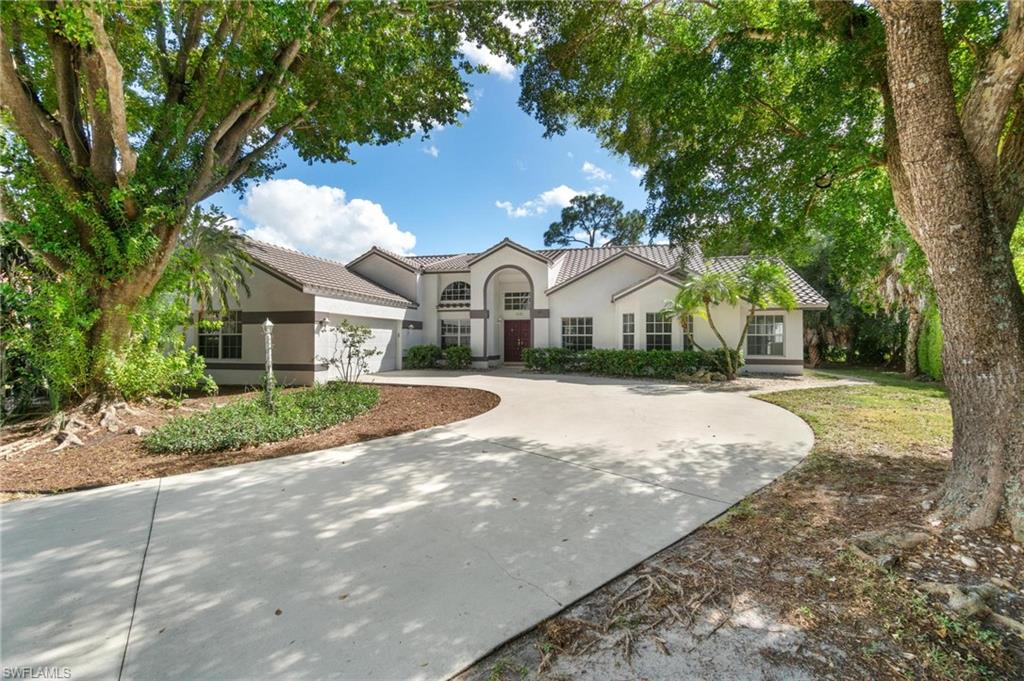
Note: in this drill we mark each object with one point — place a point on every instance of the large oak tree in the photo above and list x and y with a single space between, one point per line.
753 116
129 114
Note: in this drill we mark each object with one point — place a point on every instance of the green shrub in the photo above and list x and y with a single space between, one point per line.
665 364
422 357
457 357
249 421
929 345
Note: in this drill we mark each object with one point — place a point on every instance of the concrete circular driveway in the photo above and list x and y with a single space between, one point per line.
402 558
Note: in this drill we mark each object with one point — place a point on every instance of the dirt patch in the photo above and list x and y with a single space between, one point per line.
113 458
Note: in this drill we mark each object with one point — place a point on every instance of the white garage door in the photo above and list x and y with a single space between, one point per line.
383 338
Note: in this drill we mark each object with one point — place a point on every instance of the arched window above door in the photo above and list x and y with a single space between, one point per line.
456 292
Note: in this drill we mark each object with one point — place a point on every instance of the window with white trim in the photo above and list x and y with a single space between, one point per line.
628 331
578 333
687 324
220 335
659 331
766 335
517 300
454 332
456 292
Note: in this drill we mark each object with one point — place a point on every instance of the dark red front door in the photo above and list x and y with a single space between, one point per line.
517 337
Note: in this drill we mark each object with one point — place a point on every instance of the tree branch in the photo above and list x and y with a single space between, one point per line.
67 86
1010 180
113 78
987 106
244 163
226 139
32 122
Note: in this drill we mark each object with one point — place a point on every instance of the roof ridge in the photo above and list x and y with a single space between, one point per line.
297 252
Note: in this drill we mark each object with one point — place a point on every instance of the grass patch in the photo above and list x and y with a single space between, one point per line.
892 379
248 421
873 417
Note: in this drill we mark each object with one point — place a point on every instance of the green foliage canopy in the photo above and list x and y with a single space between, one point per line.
596 219
123 116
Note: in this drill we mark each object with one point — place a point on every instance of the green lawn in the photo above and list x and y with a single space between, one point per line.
900 415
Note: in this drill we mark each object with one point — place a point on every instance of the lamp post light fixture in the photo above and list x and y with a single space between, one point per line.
268 331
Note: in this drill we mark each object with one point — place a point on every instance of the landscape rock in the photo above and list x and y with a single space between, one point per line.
927 504
137 430
886 561
886 541
967 561
66 440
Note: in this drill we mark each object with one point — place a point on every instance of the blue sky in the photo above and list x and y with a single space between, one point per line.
443 191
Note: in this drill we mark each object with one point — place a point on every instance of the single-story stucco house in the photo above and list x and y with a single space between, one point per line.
497 302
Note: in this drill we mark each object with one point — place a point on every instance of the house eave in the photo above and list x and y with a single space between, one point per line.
387 256
506 242
633 288
358 297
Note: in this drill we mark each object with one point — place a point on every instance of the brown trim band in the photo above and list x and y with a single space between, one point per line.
280 317
756 361
257 366
540 314
478 314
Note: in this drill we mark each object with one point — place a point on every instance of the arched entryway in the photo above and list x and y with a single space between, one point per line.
509 300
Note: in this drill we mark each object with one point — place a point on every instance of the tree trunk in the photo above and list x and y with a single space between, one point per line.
914 321
981 303
812 343
730 370
116 302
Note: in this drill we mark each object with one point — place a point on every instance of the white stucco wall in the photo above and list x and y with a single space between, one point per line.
293 341
591 296
486 329
388 274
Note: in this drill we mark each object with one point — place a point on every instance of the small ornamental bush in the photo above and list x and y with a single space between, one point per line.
457 357
249 421
665 364
422 357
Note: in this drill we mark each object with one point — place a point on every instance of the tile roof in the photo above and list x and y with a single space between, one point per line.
806 296
321 275
458 262
576 261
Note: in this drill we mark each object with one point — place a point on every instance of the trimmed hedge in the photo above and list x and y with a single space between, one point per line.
929 345
665 364
422 357
457 357
248 421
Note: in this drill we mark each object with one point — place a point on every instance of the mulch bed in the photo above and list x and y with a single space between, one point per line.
113 458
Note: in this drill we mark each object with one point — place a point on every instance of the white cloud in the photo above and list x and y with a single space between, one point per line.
638 173
594 172
320 220
516 26
569 154
432 150
559 197
495 63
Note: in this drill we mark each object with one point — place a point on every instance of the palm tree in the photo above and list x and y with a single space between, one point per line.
210 263
761 283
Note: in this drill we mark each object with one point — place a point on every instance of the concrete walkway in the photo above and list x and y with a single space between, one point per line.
403 558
